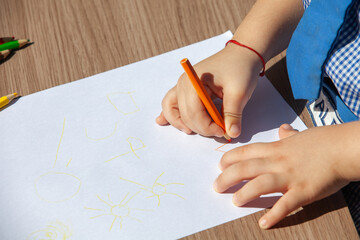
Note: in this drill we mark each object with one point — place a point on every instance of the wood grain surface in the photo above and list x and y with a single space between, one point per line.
73 39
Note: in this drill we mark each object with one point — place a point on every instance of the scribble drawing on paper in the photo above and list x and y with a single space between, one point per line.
219 148
117 211
102 138
123 102
157 189
58 148
56 187
135 145
53 231
68 162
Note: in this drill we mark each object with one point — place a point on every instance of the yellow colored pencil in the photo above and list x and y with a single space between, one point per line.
5 100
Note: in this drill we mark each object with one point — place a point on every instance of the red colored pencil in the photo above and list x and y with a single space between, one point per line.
6 39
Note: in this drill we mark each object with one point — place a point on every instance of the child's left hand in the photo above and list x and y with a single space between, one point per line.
305 166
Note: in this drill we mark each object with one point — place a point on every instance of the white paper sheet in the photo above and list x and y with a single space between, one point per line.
85 160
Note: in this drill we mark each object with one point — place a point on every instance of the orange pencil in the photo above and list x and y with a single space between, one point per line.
204 96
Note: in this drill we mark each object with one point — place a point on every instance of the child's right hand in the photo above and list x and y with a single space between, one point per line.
231 75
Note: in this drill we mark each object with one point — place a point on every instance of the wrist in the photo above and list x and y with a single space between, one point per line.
253 58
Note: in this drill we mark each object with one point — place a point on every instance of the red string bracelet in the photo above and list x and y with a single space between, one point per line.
262 73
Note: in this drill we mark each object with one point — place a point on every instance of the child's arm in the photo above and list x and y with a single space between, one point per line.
305 167
232 73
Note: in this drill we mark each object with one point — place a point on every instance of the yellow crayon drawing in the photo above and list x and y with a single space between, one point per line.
58 148
117 210
157 189
135 145
53 231
123 102
56 187
102 138
68 162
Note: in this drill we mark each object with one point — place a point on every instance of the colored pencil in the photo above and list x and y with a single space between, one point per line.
204 96
6 39
5 100
4 54
13 44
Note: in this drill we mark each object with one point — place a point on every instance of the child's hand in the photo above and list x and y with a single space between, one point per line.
231 74
305 167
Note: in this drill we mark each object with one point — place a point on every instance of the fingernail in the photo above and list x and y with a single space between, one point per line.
262 223
219 135
219 166
215 186
234 130
236 201
287 127
185 130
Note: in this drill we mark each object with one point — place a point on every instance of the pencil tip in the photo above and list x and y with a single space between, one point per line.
184 60
227 137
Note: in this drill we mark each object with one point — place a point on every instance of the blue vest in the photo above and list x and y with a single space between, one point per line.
309 48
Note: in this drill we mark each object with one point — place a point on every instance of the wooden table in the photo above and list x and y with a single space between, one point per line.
76 39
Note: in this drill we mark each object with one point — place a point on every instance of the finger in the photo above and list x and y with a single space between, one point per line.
239 172
171 112
161 120
196 117
288 203
233 107
206 126
263 184
286 130
174 118
187 110
250 151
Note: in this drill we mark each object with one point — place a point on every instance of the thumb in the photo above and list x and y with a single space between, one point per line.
286 130
233 108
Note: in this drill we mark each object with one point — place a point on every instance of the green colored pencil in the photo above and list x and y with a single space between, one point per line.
13 44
